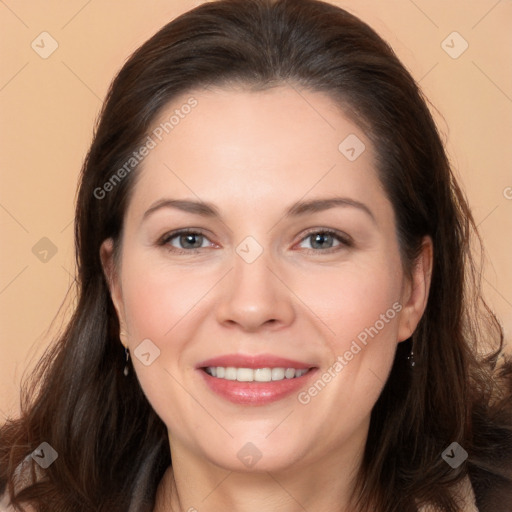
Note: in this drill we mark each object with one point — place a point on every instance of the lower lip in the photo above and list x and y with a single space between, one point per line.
255 393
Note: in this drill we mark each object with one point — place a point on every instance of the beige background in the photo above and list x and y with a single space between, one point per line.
49 106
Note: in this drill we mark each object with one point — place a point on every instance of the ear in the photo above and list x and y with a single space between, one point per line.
114 284
416 290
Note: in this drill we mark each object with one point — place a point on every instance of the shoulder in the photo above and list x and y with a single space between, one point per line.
21 479
25 474
464 495
5 507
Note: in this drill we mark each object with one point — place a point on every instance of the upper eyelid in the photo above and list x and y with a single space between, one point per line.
164 239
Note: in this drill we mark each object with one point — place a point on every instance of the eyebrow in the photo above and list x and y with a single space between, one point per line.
299 208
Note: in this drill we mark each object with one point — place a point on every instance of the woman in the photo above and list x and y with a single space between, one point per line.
318 345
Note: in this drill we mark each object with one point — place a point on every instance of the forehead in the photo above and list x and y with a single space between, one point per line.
275 146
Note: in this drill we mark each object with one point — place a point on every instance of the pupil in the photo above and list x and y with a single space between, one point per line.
185 239
320 238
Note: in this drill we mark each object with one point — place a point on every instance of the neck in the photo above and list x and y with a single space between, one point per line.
324 485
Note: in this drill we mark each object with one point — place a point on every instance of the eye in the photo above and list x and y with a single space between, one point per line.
185 241
326 240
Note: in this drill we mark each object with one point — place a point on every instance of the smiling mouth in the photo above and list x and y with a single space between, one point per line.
255 374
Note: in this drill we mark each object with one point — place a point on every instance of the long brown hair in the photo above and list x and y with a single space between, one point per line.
113 448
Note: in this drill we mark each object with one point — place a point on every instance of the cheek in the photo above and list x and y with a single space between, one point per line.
159 297
352 301
360 309
363 310
160 305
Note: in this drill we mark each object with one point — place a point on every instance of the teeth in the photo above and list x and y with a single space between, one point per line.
289 373
244 375
262 374
231 373
278 373
254 375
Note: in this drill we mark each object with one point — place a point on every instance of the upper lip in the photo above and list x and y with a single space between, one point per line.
254 361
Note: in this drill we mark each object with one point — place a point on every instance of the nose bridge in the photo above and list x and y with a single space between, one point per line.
252 276
254 296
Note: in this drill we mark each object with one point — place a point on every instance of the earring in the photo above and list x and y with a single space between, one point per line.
410 358
126 368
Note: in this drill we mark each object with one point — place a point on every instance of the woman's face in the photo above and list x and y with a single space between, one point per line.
292 256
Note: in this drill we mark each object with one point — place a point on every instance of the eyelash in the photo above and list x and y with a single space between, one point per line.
345 240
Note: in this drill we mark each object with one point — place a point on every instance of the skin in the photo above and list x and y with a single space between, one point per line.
253 155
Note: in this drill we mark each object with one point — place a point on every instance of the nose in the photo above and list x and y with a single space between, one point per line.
254 297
